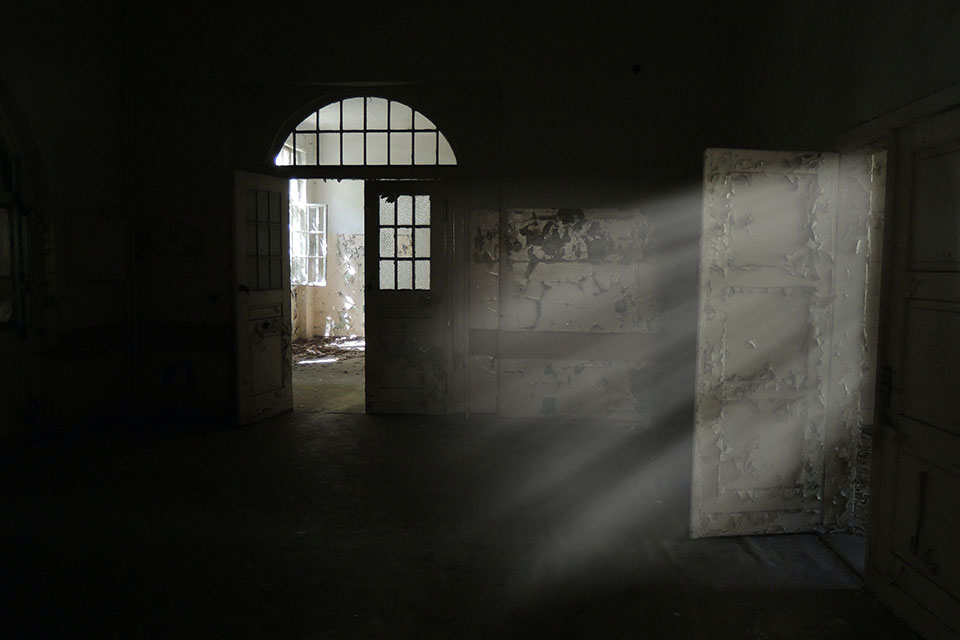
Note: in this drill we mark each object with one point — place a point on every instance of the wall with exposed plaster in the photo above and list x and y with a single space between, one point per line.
336 308
552 121
564 303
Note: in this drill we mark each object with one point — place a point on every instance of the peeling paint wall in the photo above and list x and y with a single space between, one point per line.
484 273
337 308
568 330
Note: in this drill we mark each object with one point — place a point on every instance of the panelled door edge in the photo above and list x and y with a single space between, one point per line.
407 265
264 385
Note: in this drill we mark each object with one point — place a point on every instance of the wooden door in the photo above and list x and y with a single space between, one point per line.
262 274
771 416
407 327
914 560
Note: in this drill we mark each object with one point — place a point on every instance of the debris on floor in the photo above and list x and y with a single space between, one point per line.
328 375
320 349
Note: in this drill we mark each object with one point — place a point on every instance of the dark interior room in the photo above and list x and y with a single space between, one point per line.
657 334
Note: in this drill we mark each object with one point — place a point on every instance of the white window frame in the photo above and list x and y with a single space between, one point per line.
308 246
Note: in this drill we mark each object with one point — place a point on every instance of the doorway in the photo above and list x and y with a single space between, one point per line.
348 162
327 295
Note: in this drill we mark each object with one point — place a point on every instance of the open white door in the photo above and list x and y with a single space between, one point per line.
406 306
914 559
262 275
775 426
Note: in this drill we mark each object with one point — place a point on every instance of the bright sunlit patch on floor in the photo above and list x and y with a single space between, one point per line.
319 361
353 343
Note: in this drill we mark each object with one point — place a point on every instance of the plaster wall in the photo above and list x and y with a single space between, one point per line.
570 314
335 309
61 112
606 108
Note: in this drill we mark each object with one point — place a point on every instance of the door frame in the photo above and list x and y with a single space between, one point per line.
455 338
885 132
894 433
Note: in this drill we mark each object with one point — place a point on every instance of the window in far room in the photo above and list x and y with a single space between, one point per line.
308 238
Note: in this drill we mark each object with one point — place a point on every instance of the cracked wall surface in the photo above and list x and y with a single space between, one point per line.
563 305
337 308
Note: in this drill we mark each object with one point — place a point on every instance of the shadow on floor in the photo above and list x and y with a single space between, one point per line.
353 526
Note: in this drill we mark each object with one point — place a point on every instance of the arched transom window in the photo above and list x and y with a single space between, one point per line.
366 131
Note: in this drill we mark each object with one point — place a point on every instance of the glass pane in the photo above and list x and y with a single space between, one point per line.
330 117
404 274
296 218
323 244
386 211
285 157
422 242
312 266
321 214
294 235
376 113
329 148
401 148
421 122
313 246
425 148
446 153
401 116
302 270
353 148
309 123
386 243
305 147
314 219
274 206
376 148
263 239
405 210
263 273
262 206
353 113
422 209
276 273
251 272
422 274
276 240
294 270
250 202
386 274
404 242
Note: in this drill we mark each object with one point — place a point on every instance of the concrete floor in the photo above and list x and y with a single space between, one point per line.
328 375
314 525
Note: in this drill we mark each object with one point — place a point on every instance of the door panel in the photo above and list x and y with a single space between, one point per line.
768 405
931 366
914 561
262 278
406 306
